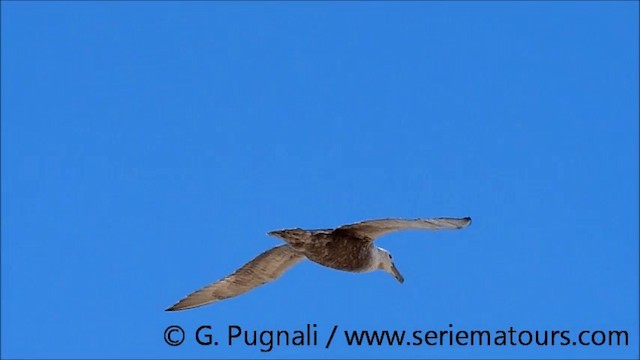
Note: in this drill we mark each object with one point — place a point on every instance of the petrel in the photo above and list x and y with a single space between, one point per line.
348 248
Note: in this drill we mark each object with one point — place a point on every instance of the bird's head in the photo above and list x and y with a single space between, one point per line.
385 262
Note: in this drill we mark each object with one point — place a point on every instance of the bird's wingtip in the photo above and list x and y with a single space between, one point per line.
172 308
467 221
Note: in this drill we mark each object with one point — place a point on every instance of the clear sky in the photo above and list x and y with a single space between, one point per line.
147 149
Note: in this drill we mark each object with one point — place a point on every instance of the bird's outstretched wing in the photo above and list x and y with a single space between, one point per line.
264 268
371 229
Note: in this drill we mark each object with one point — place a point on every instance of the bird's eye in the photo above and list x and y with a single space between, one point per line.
390 257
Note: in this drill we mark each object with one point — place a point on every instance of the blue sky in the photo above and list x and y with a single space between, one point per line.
147 149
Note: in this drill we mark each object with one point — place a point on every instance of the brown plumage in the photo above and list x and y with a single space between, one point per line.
348 248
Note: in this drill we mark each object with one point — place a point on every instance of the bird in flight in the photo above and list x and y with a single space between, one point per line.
348 248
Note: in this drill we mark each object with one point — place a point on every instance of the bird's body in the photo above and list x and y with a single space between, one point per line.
348 248
337 251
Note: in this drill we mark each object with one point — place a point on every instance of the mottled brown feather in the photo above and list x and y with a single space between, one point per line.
264 268
371 229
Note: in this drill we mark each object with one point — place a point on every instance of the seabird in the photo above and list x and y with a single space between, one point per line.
348 248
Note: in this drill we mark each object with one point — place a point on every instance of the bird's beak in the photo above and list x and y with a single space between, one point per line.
396 273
